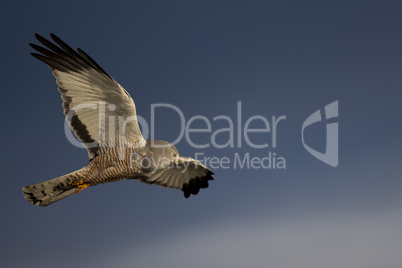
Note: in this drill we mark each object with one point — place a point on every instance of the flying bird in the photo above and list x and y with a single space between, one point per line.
103 117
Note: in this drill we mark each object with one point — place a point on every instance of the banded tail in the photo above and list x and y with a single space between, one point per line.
47 192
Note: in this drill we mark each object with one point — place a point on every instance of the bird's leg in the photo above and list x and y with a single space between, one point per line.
80 185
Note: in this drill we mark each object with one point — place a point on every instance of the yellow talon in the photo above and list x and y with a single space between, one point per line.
80 185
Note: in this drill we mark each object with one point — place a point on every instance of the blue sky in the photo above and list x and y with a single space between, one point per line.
276 58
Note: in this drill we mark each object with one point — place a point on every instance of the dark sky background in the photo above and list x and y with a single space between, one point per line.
275 57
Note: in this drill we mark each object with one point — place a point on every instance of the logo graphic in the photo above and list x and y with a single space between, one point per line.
331 148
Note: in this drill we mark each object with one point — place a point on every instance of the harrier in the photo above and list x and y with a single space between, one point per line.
103 117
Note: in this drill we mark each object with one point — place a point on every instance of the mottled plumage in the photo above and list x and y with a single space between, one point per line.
103 117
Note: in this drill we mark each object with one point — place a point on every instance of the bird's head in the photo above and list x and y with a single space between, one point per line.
158 154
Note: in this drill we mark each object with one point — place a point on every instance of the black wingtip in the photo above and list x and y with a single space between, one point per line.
63 45
60 54
38 56
195 184
40 38
55 37
92 62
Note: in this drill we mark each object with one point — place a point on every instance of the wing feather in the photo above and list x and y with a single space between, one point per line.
91 97
188 175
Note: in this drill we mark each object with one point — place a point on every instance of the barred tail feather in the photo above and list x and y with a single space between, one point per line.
47 192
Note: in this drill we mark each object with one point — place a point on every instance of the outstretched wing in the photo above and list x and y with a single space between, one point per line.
98 109
188 175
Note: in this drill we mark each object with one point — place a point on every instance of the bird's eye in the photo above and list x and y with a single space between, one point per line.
174 155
